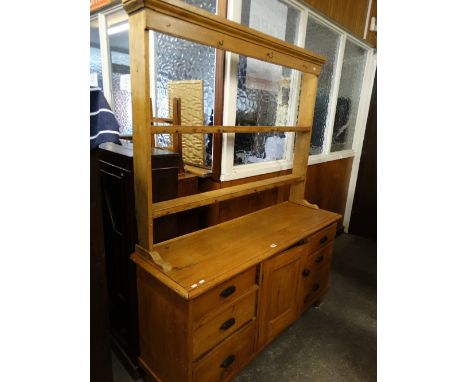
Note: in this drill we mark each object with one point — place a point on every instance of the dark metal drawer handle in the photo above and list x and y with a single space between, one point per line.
228 361
228 291
316 287
306 272
323 239
319 259
228 324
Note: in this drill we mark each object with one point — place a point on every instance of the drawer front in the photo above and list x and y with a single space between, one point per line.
224 361
321 239
317 260
209 333
316 288
223 294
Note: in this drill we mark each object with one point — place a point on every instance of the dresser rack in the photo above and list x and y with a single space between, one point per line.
178 19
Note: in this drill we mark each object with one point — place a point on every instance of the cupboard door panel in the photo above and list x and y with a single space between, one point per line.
279 293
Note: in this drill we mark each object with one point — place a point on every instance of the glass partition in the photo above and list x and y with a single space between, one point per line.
263 90
352 73
324 41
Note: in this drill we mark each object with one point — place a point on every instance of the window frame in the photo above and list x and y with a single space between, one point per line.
106 60
231 172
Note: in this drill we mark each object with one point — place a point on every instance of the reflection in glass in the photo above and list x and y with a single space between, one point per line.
176 60
95 67
263 89
347 105
207 5
322 40
121 95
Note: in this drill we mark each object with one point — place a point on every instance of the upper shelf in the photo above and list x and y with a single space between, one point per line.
179 19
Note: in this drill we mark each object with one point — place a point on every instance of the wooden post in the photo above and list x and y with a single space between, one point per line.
153 143
176 137
302 143
139 74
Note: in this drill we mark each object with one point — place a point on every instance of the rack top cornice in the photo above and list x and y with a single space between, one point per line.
182 20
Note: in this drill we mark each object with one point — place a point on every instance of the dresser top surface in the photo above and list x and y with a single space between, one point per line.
206 258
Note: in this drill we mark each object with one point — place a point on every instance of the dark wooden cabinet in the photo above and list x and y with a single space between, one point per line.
120 236
101 360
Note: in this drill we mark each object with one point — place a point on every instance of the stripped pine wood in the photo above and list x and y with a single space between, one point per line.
139 73
179 19
189 22
176 138
302 143
209 301
150 105
226 129
162 120
173 206
218 253
190 94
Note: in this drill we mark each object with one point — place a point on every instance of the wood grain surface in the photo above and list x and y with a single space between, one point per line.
218 253
198 200
179 19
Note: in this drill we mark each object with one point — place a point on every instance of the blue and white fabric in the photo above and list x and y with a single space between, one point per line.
103 124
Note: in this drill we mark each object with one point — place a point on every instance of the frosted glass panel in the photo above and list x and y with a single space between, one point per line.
322 40
95 64
121 95
176 60
207 5
263 89
347 106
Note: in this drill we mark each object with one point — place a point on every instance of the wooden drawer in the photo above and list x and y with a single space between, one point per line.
315 288
224 361
223 294
317 260
321 239
212 330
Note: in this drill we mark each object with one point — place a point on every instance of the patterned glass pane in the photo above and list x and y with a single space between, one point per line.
178 60
121 95
323 40
347 105
263 89
95 64
207 5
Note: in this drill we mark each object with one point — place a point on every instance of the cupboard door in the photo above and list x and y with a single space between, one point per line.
279 293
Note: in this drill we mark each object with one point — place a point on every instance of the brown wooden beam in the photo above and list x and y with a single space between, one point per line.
226 129
179 19
205 198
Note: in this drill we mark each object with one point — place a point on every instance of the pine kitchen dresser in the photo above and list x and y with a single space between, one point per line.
211 300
